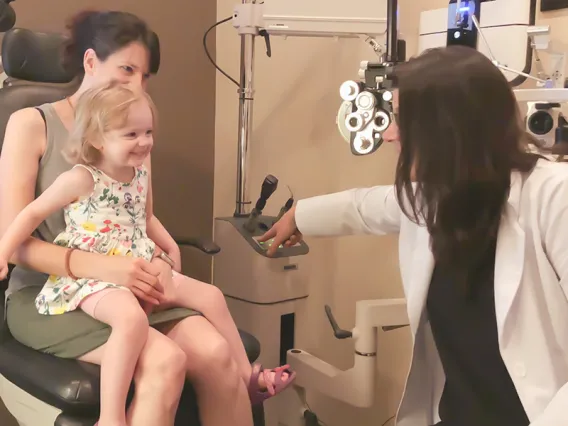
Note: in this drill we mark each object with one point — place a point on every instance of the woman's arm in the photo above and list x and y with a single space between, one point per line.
22 149
358 211
67 188
154 228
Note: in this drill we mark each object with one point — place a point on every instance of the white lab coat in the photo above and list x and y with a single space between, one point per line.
531 287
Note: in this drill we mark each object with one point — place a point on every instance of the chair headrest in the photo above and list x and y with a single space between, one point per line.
36 56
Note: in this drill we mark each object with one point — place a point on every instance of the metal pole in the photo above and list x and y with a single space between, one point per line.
392 31
246 97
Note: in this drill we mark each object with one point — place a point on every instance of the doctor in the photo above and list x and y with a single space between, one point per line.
483 247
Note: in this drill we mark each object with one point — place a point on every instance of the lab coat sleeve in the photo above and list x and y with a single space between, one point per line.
357 211
555 221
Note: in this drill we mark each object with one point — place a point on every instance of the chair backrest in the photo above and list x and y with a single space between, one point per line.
32 62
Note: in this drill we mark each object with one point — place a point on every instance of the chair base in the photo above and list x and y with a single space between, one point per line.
27 410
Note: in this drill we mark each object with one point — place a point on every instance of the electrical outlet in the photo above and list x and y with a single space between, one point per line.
548 5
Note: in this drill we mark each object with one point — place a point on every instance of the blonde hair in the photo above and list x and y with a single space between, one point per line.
99 111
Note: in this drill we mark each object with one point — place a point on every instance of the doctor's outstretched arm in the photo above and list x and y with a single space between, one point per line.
357 211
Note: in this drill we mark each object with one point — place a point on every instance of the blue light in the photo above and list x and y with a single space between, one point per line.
464 9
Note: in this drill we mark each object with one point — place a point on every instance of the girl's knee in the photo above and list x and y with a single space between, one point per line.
118 308
130 317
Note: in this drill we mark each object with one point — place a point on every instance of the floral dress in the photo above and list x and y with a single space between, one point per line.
111 221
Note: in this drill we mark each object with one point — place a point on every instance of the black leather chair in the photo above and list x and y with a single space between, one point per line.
39 389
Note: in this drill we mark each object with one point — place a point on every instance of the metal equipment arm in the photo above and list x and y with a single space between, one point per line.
355 386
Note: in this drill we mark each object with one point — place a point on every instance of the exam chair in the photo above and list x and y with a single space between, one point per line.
40 389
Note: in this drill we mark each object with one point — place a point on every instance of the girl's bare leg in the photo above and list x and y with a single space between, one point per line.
121 311
159 377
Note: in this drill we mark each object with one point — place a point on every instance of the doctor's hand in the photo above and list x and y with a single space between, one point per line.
283 232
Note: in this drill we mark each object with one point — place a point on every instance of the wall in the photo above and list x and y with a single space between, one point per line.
184 92
295 138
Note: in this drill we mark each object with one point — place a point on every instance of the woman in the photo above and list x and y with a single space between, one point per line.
483 256
107 46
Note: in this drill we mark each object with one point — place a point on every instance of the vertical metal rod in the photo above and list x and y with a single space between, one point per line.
246 97
392 31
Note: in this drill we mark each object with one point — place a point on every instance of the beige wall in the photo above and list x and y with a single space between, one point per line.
295 139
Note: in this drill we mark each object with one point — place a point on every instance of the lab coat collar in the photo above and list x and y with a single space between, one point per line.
508 263
510 254
514 199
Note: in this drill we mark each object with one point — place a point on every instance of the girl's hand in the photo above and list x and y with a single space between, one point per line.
284 232
137 274
3 269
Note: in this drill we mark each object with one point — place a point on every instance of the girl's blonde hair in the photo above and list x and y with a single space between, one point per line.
99 111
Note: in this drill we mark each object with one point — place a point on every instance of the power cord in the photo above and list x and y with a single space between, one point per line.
209 55
320 422
391 418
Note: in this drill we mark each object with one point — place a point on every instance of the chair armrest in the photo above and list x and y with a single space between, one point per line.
203 244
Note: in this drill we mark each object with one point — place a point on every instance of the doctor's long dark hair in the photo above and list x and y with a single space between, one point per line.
461 136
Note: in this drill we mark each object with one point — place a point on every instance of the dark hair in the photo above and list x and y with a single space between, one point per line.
461 136
105 32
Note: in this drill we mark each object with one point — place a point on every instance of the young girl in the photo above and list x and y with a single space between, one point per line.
107 202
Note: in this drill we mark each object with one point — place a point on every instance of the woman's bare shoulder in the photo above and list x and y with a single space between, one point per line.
25 130
27 117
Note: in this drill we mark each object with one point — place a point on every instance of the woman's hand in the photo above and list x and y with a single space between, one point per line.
284 232
137 274
165 278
